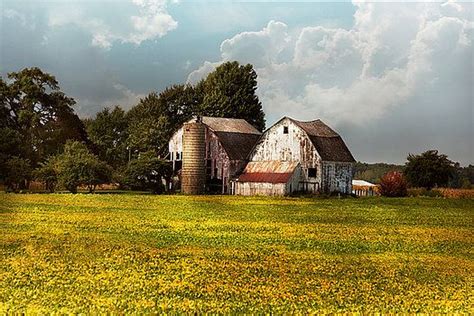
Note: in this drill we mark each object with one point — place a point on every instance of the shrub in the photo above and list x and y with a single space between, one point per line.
148 172
393 184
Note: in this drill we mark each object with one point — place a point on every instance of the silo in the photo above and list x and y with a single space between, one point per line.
193 176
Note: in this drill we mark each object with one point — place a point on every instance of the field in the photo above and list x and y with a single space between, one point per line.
131 253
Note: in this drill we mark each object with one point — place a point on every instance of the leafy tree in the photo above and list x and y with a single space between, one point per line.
10 146
157 116
46 173
108 131
78 166
148 172
32 104
393 184
229 91
18 173
429 169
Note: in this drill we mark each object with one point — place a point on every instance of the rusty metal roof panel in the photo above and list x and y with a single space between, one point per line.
268 171
265 177
229 125
274 166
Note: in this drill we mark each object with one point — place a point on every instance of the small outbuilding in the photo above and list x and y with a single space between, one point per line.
364 188
268 178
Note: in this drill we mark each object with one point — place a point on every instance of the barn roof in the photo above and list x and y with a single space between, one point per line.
268 171
237 145
229 125
327 142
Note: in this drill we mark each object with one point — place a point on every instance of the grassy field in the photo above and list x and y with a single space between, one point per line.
126 253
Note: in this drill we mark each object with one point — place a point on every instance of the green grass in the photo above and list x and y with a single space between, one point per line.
144 253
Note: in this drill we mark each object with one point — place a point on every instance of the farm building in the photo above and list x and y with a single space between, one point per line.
325 161
268 178
364 188
231 156
222 151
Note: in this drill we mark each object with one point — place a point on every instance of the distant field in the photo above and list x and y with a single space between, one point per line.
144 253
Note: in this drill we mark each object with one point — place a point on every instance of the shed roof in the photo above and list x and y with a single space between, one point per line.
362 183
327 142
268 171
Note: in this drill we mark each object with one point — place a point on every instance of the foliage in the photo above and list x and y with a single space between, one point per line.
429 169
46 173
373 172
393 184
10 146
148 172
153 121
78 166
108 131
39 112
229 91
116 254
18 173
449 193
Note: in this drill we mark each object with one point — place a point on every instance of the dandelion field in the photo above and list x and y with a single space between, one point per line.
144 253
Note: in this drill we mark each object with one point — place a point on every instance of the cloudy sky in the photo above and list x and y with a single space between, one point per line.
392 78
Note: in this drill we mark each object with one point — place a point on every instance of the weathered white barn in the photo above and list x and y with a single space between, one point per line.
291 156
325 161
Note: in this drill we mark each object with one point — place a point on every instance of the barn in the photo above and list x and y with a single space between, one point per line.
325 161
232 157
226 145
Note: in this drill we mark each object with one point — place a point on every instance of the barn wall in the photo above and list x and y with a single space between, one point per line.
337 177
260 188
294 146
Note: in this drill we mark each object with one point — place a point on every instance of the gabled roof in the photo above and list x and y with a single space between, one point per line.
268 171
229 125
236 136
237 145
327 142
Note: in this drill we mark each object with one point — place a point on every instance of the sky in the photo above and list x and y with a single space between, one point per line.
392 78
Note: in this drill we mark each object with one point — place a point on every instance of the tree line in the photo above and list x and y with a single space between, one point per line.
42 138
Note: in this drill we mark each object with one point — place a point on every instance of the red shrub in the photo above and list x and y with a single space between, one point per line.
393 184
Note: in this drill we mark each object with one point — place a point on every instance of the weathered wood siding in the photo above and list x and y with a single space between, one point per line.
294 146
337 177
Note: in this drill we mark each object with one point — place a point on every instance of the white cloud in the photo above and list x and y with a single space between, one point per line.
149 20
355 75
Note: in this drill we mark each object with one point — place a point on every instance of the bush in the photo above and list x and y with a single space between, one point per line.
148 172
393 184
78 166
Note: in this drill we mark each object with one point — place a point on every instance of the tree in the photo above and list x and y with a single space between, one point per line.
46 173
148 172
78 166
108 131
18 173
32 104
428 169
153 121
393 184
229 91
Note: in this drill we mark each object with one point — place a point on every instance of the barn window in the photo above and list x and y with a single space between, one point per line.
171 156
311 172
178 156
285 129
